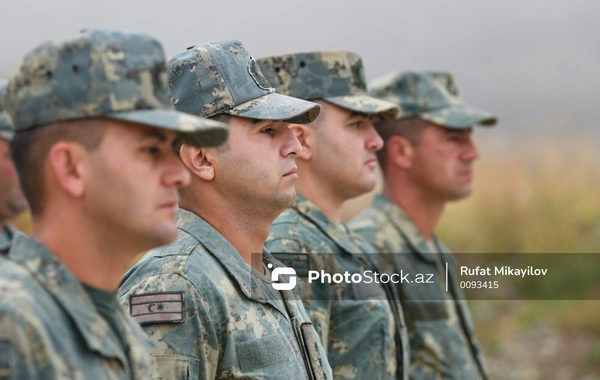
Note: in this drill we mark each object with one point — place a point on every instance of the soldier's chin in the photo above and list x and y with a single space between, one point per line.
460 193
166 235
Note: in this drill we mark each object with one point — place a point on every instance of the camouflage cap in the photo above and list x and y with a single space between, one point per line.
221 77
430 95
114 74
6 128
335 76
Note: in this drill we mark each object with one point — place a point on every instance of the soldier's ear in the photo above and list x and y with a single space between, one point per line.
198 161
306 136
70 167
400 152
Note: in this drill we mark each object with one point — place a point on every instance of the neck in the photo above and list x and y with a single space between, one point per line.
422 210
92 259
318 193
246 230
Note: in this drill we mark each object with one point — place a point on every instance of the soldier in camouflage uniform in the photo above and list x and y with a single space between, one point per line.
360 324
94 130
208 299
427 161
12 201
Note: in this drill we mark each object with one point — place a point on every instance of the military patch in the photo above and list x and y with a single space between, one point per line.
299 261
258 76
6 359
157 308
260 353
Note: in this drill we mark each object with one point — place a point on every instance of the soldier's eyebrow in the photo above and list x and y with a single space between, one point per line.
356 114
256 122
155 134
458 131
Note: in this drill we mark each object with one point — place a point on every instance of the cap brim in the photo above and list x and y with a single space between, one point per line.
459 116
193 130
378 109
275 106
6 135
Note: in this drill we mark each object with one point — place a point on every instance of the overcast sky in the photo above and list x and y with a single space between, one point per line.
535 63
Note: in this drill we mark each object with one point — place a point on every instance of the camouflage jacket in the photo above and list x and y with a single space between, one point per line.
363 331
6 235
213 317
442 337
49 327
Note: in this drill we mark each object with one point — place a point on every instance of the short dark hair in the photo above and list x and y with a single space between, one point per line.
29 150
411 128
222 117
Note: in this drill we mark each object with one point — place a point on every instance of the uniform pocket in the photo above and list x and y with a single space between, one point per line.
174 367
259 353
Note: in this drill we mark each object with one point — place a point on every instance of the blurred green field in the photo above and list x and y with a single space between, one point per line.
540 198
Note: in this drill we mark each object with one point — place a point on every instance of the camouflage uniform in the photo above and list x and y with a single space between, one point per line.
361 325
442 336
49 325
225 321
356 322
6 133
212 315
6 235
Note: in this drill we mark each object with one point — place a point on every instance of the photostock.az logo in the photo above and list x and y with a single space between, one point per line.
281 271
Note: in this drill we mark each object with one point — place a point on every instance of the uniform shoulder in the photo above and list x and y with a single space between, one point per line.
17 286
168 259
195 272
369 219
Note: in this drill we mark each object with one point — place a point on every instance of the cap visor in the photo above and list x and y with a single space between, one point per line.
275 106
6 135
378 109
193 130
459 116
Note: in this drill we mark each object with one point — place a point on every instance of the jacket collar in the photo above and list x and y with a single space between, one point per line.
62 285
6 236
339 233
230 259
398 218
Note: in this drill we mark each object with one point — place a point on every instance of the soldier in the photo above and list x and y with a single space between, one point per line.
208 299
360 324
427 161
12 201
94 130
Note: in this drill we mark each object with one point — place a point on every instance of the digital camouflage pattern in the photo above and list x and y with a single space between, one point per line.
6 128
431 96
335 76
6 235
229 323
442 336
49 327
221 77
114 74
363 332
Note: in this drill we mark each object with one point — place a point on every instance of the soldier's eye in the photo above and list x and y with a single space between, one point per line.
268 131
154 151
